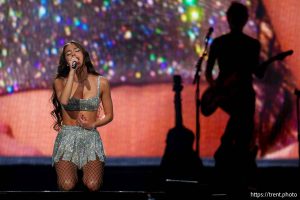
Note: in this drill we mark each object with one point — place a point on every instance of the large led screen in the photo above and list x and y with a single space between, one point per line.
139 46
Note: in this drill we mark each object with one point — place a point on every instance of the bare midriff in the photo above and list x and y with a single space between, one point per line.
70 117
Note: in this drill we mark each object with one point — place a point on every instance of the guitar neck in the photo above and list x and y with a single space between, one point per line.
178 110
262 67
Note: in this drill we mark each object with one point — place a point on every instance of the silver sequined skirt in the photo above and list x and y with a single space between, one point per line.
78 145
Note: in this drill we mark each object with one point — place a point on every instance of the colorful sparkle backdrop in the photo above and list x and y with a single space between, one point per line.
138 45
129 41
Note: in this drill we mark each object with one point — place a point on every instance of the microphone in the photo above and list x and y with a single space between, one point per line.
74 64
210 30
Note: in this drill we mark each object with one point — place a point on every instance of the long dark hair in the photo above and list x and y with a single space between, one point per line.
62 72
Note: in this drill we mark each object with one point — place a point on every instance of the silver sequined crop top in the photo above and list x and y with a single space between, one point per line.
90 104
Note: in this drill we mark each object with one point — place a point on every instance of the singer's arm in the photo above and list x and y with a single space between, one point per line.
63 92
107 105
210 64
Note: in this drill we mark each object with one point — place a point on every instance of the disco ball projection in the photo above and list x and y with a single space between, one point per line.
139 46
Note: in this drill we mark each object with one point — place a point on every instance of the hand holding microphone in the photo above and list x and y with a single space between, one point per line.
73 62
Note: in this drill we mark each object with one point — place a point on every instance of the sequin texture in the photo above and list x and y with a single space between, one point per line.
78 145
90 104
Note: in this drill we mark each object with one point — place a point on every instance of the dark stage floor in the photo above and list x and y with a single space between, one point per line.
142 182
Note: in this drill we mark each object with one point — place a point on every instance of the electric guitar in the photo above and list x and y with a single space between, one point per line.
214 95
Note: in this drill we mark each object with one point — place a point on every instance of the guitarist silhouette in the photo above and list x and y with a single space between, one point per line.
237 55
180 161
219 92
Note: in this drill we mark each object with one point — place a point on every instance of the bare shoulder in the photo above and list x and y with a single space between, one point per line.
59 84
93 77
58 81
104 82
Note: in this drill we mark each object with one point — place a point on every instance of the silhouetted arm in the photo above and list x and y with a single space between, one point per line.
212 56
260 69
260 72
